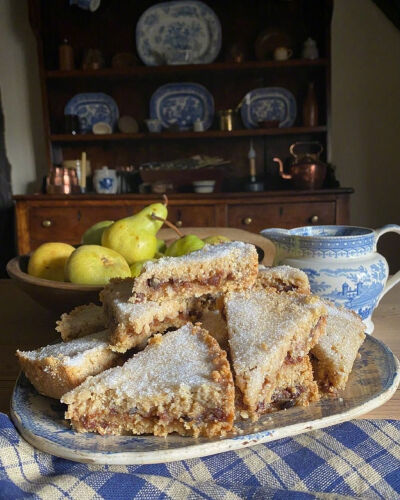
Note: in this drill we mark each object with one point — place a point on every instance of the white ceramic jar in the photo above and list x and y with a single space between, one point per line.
105 181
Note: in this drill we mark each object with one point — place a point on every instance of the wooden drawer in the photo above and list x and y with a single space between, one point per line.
287 215
67 224
192 215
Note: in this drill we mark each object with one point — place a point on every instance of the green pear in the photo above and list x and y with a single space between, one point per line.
184 245
161 246
92 236
127 237
95 265
215 240
148 224
136 267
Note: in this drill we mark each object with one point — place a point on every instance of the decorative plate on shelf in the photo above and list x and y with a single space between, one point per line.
181 104
91 108
187 31
268 104
41 422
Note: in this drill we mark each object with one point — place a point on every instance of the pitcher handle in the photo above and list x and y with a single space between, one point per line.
393 280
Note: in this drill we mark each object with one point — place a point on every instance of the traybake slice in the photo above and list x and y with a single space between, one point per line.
56 369
130 324
334 355
283 279
267 332
295 386
215 268
181 382
81 321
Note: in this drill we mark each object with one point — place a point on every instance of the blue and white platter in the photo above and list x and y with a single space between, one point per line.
40 420
182 104
91 108
267 104
186 31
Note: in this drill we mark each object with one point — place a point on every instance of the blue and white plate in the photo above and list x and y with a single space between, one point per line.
182 104
91 108
178 32
267 104
40 420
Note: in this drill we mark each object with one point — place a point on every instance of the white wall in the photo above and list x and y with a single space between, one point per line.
366 114
21 98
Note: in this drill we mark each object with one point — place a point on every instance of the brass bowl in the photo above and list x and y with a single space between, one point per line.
57 296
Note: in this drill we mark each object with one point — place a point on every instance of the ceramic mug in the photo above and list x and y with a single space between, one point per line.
105 181
341 262
154 125
282 53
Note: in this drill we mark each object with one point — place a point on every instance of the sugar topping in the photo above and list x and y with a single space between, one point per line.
70 353
179 358
206 254
258 323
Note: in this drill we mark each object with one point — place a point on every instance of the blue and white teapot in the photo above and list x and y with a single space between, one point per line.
341 262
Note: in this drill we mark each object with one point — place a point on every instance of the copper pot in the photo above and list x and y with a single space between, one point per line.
63 181
307 171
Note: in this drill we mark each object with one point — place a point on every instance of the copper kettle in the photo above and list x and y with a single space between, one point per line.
307 171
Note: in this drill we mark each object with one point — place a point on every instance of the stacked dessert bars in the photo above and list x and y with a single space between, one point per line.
193 343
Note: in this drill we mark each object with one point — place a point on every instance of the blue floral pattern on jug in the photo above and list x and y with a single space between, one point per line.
106 183
341 263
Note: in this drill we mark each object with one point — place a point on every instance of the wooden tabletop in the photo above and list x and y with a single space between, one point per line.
26 325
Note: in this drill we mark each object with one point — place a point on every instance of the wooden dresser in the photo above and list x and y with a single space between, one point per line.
42 218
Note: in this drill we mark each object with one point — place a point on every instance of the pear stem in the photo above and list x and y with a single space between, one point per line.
165 200
168 223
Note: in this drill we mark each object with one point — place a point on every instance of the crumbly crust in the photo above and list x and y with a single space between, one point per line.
295 386
181 382
266 331
81 321
214 268
333 357
130 324
283 279
58 368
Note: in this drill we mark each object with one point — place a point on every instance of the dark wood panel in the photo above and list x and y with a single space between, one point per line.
287 215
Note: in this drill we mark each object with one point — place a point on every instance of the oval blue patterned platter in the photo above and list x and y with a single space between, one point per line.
91 108
182 104
167 30
40 420
268 104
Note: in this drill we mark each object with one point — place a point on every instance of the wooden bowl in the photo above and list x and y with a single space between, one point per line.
56 296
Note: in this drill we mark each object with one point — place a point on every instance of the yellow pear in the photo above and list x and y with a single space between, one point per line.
48 261
127 237
95 265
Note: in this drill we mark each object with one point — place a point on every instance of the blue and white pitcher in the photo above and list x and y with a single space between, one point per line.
341 262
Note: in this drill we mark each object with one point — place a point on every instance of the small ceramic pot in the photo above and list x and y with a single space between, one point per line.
154 125
341 262
105 181
100 128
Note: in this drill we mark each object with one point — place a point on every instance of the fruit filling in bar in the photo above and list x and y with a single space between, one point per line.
181 382
268 332
56 369
336 351
131 325
214 268
81 321
283 279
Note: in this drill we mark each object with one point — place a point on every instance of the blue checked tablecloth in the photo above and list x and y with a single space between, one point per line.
358 459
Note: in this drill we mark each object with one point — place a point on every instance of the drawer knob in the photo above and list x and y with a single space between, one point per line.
314 219
247 221
46 223
178 223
